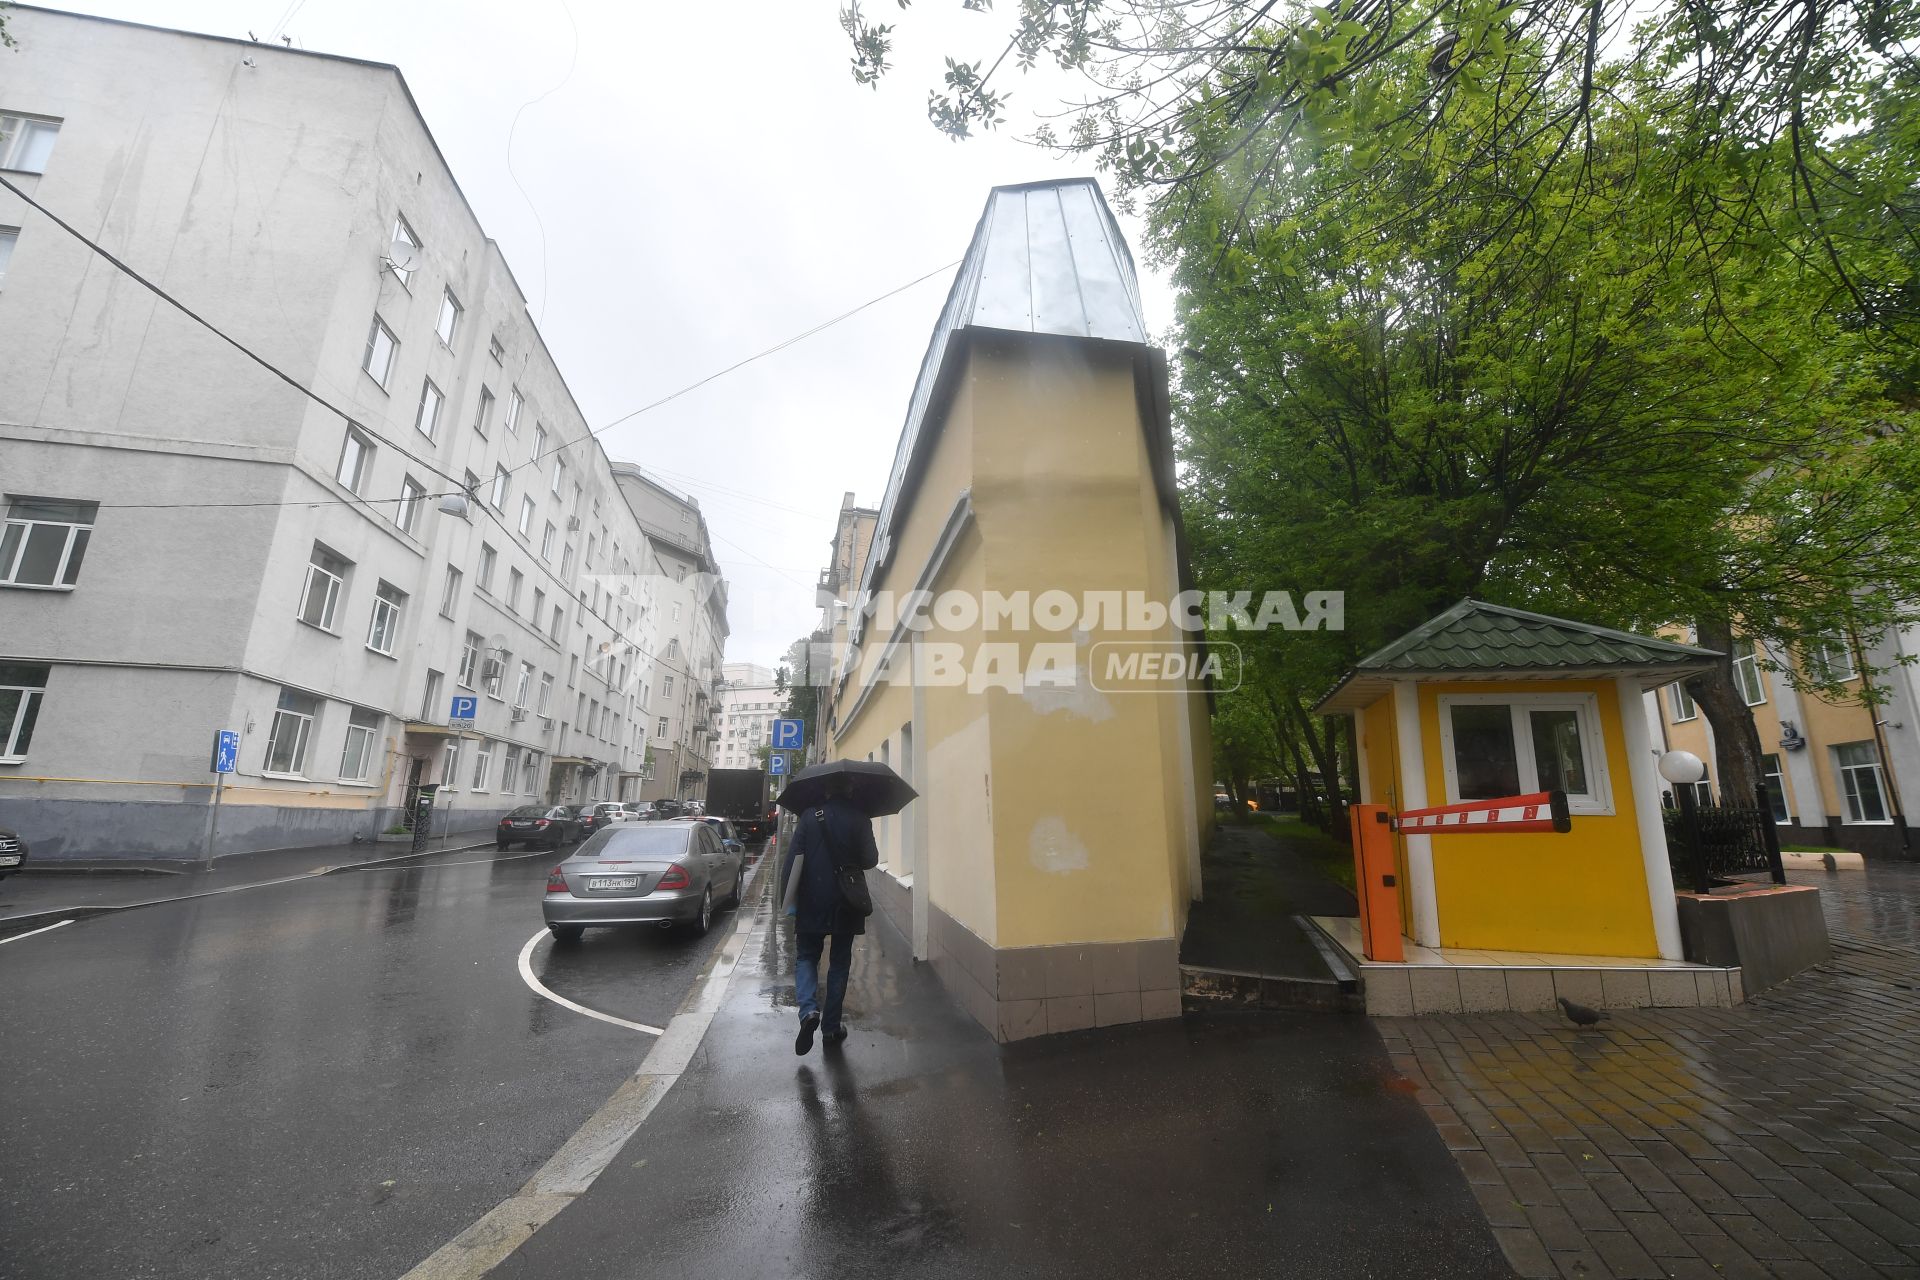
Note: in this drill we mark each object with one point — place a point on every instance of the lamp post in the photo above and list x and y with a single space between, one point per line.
1683 769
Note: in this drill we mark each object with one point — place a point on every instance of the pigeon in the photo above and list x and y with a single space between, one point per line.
1579 1014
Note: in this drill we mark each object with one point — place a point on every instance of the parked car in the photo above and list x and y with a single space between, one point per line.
666 809
728 836
662 873
13 853
538 825
593 817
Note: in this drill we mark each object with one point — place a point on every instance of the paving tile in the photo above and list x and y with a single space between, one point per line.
1589 1210
1657 1236
1618 1193
1755 1236
1529 1188
1735 1180
1581 1264
1499 1205
1624 1256
1525 1254
1556 1230
1643 1174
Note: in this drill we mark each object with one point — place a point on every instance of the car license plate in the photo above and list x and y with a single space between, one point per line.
10 860
613 882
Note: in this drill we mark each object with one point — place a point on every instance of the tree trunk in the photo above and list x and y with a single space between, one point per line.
1738 769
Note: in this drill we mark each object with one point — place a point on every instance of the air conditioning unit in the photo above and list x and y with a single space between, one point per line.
491 670
546 723
573 524
517 714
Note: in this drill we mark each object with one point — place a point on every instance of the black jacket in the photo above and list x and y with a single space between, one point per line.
848 833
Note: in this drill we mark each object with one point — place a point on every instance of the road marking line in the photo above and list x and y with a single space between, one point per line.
526 975
469 862
29 933
584 1156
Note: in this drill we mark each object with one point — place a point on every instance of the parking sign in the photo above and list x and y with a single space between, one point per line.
789 735
465 707
776 765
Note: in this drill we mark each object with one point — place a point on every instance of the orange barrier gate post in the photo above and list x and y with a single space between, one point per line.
1375 878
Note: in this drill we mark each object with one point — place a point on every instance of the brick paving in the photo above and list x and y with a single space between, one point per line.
1777 1139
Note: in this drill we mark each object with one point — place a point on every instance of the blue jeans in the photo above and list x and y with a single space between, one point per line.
806 975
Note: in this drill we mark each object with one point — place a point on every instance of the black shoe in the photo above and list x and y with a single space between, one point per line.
803 1042
835 1036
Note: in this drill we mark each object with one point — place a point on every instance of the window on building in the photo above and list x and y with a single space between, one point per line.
676 609
450 592
515 402
666 687
292 729
383 629
403 234
1831 660
488 556
495 350
356 461
515 579
559 473
44 540
320 596
482 763
546 694
673 648
526 517
546 542
483 413
9 237
1775 782
22 686
470 659
566 562
381 346
1746 676
406 512
661 731
530 773
539 607
449 322
471 483
559 618
26 142
1506 745
573 670
1681 703
593 718
493 673
426 419
430 696
357 757
450 765
509 768
502 482
539 443
1862 780
587 564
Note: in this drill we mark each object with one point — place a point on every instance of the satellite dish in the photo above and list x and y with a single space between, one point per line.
402 256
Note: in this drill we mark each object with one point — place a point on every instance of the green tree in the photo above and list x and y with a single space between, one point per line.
1539 388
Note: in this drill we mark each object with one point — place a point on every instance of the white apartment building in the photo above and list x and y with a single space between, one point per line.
749 701
691 639
191 544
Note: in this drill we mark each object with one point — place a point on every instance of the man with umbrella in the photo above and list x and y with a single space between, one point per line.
836 803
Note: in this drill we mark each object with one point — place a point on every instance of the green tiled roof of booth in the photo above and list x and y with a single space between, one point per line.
1474 638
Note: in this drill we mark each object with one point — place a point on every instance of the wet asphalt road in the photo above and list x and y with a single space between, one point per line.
326 1078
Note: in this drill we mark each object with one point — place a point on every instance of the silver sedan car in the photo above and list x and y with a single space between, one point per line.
657 873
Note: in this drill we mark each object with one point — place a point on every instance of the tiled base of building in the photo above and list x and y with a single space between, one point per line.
59 829
1448 980
1020 992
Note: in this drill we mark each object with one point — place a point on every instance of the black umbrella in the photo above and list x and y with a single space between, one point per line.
877 789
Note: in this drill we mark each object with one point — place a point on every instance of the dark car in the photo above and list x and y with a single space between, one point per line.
662 873
590 818
13 853
538 825
728 836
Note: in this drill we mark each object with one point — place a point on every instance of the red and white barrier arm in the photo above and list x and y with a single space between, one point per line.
1541 811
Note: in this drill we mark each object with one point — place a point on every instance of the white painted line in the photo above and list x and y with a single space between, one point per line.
526 975
467 862
585 1155
29 933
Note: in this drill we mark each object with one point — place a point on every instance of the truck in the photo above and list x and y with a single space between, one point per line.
740 796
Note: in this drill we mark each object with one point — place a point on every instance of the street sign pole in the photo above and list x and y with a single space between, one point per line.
213 818
226 755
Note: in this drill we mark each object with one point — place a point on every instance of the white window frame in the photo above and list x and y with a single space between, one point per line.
447 324
1819 658
662 729
1777 771
515 403
302 728
559 474
1586 709
356 461
539 443
1749 680
404 234
14 133
488 559
495 350
546 542
430 695
546 694
469 672
526 515
406 512
450 765
383 624
9 241
515 580
367 735
482 764
1680 703
335 589
426 419
73 547
483 413
530 773
450 591
25 709
392 353
523 686
559 621
502 485
1843 773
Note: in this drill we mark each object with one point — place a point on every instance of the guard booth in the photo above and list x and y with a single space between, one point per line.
1485 704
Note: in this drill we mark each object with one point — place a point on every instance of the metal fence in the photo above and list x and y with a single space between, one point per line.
1717 842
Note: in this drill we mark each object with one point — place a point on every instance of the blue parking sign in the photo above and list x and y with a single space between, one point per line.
226 751
776 764
465 707
789 735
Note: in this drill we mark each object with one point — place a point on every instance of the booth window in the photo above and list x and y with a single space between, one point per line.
1513 744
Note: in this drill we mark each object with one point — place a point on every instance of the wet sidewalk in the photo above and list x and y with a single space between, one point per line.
39 896
1218 1144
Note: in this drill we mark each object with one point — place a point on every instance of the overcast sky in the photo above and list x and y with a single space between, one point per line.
710 182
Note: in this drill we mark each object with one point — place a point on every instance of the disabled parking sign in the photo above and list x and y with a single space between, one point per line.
789 735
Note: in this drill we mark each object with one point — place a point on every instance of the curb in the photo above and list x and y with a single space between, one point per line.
29 919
